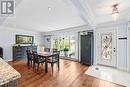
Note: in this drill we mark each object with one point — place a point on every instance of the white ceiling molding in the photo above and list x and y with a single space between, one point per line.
69 31
5 28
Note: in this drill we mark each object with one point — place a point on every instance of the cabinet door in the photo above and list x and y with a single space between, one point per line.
17 53
34 48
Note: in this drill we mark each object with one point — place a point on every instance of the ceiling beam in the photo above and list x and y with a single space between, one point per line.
84 12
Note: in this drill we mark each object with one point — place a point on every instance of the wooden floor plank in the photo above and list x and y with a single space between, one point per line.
71 74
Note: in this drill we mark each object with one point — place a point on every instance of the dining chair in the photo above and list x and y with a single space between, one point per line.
54 49
37 60
46 49
54 59
29 58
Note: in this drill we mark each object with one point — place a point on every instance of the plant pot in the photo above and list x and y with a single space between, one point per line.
66 53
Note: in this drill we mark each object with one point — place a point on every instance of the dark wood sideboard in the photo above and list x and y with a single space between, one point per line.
19 52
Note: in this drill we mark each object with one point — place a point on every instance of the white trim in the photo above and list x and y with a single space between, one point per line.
128 48
69 31
79 48
79 44
122 68
4 28
117 52
94 33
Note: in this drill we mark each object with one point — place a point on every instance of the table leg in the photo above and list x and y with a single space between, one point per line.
46 65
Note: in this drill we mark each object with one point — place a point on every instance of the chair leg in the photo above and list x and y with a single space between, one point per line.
42 64
52 66
37 66
27 62
33 64
58 65
58 62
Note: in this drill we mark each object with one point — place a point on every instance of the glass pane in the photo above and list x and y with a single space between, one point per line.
72 47
63 43
55 43
106 46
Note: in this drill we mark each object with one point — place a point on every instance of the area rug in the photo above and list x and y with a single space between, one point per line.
110 74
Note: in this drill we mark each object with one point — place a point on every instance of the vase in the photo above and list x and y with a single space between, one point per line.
66 53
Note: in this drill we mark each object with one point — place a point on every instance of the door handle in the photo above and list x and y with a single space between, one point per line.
114 49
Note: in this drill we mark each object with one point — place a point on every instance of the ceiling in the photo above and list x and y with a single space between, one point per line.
34 14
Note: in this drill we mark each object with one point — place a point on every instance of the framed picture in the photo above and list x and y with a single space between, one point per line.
24 39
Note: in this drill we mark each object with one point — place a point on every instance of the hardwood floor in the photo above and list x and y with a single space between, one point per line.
71 74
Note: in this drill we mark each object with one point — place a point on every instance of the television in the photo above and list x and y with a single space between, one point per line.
24 39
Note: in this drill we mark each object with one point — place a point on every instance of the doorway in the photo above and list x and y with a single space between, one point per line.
86 47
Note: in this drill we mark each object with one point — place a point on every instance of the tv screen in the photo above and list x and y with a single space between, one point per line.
24 39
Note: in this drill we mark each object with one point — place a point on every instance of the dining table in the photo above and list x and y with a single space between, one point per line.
47 55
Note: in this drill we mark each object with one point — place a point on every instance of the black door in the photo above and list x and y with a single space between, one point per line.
86 49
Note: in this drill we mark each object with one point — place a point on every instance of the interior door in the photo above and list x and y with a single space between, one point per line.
106 47
86 49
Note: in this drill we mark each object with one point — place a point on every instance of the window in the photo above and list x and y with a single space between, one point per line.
63 42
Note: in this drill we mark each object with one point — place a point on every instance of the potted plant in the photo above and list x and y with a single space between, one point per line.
66 52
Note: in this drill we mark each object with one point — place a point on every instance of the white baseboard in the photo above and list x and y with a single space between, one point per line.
122 68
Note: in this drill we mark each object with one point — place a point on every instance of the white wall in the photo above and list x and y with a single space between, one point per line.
7 39
121 44
46 43
122 47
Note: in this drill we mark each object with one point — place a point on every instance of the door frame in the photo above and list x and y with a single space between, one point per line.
128 48
116 44
79 45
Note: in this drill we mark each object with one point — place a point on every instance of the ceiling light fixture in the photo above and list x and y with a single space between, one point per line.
115 10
